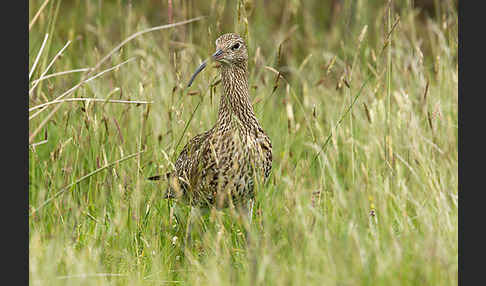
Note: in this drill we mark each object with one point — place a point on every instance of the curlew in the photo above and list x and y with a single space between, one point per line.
221 166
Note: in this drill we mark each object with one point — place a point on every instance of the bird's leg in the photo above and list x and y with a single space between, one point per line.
251 202
193 215
246 213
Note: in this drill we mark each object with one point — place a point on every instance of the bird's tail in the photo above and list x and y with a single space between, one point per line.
168 193
154 178
158 177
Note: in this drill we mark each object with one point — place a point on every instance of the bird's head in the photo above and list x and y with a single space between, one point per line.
230 52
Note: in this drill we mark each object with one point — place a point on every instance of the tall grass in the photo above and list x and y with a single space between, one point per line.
361 107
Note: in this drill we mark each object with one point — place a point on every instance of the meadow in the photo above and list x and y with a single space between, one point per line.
359 98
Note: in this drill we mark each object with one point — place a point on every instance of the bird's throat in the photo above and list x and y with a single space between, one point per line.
235 100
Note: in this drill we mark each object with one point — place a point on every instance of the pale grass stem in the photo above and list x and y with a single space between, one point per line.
348 92
37 14
385 45
92 275
133 36
110 69
59 73
49 66
307 121
81 83
38 56
38 143
32 136
89 100
343 115
66 188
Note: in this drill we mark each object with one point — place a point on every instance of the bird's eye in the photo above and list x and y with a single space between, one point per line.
235 46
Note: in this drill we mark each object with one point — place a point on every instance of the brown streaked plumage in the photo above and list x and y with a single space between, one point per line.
222 164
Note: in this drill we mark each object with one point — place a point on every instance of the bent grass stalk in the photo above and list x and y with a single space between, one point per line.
49 66
68 187
38 56
32 136
89 100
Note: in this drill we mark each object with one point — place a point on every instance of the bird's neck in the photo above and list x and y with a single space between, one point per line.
235 100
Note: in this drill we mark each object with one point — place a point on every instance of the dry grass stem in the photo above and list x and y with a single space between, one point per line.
37 14
38 56
68 187
133 36
49 66
89 100
59 74
71 90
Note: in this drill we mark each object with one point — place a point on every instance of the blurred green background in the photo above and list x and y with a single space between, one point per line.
358 97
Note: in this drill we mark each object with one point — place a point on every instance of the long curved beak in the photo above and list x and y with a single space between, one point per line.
198 70
215 57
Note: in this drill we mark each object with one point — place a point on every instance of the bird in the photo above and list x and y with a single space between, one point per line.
222 165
